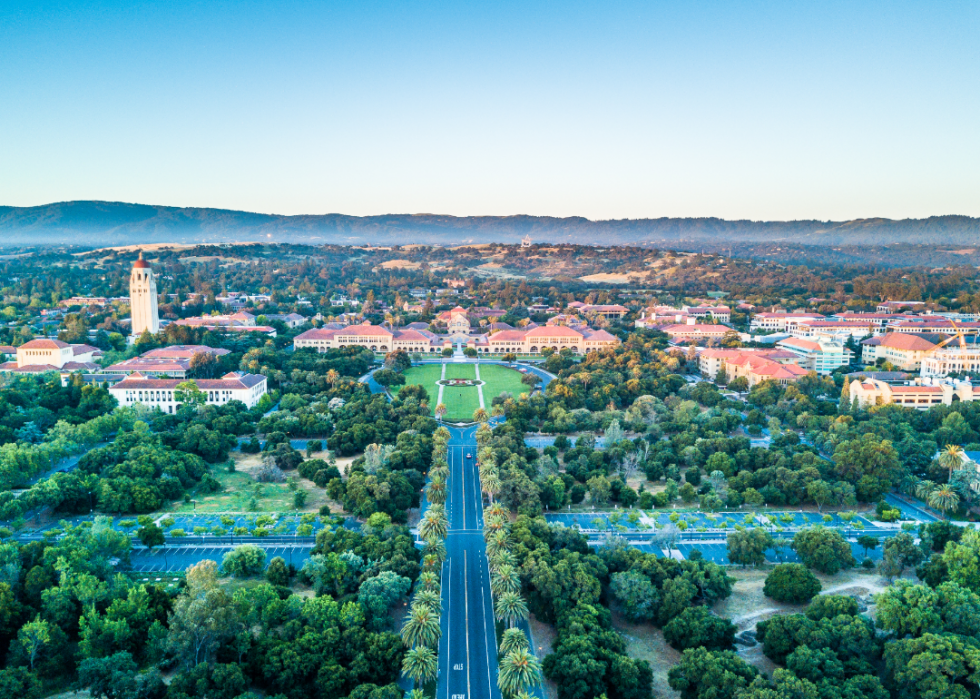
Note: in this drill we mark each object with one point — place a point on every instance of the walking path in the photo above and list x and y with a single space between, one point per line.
439 398
479 386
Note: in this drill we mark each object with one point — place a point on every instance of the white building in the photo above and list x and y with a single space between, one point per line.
820 355
951 360
143 299
781 322
160 393
52 355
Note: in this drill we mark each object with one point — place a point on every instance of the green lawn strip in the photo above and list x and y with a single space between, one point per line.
426 376
460 371
461 403
499 379
238 489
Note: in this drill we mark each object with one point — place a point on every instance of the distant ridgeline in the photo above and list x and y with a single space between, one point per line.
124 224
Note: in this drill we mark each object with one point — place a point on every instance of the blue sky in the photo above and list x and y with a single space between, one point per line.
761 110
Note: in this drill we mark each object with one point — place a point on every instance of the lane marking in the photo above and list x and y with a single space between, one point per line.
466 597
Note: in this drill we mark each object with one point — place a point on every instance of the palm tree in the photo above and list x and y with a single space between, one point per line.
480 415
496 510
430 599
951 459
511 608
333 377
434 525
420 665
491 484
944 499
435 547
430 581
440 411
924 488
421 628
494 524
435 491
431 562
496 542
502 558
504 580
513 639
519 671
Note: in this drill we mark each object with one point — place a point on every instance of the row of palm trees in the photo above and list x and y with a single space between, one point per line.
519 669
422 628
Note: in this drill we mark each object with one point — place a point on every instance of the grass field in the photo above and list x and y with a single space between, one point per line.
462 402
500 379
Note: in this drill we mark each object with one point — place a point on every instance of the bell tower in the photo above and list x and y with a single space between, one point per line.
143 298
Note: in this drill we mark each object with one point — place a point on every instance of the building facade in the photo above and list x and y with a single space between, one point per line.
162 393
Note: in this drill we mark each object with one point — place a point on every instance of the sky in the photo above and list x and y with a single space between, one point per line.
757 110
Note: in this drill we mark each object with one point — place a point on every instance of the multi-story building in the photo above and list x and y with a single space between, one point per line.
697 332
921 395
904 350
291 320
579 340
820 355
780 322
52 355
756 369
712 359
952 360
172 362
605 310
893 306
236 322
837 330
163 393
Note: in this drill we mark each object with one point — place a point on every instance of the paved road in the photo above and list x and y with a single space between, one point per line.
468 648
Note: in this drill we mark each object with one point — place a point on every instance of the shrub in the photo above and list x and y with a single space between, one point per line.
791 582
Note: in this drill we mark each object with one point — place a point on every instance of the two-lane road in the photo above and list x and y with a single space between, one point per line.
468 648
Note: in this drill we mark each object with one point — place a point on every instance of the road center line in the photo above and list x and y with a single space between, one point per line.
466 598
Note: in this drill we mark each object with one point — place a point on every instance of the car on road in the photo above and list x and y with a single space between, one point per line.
469 456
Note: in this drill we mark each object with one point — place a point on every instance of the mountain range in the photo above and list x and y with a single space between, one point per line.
100 223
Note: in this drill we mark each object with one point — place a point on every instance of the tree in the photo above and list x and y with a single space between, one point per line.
480 415
244 561
113 677
944 499
636 595
697 626
510 608
749 546
440 411
150 536
791 582
831 606
433 524
421 628
867 542
504 580
705 674
203 616
931 667
951 459
33 636
389 378
420 665
899 553
380 593
870 463
519 671
823 549
513 639
277 573
187 393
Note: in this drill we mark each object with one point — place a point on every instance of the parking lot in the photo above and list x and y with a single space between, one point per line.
179 558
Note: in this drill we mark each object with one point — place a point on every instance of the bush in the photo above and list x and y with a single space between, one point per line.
244 561
791 582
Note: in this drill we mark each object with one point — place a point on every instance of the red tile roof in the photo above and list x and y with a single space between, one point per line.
44 344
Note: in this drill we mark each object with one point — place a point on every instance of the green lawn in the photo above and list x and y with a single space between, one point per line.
461 403
500 379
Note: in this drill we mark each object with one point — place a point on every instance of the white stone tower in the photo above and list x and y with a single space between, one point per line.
143 298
